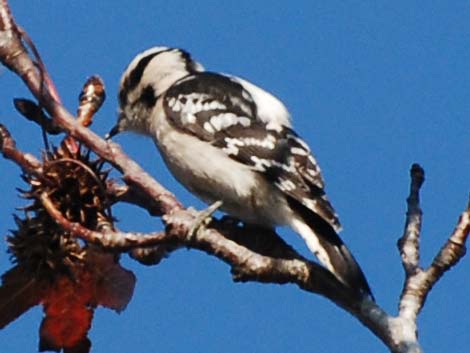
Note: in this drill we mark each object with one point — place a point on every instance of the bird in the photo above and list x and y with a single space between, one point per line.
226 139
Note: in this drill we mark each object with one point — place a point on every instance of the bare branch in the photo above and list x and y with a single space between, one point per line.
107 239
455 248
15 57
26 161
408 244
132 195
243 252
10 45
418 286
418 282
246 265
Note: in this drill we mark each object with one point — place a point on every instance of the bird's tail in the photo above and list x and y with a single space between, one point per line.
324 242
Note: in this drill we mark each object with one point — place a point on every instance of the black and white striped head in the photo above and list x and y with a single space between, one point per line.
147 77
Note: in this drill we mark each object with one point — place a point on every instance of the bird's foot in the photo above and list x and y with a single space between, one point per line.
202 219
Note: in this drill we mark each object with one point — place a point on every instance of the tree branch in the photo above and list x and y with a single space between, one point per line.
408 244
27 162
281 264
418 282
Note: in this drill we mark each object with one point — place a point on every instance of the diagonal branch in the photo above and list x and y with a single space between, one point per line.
247 265
14 55
454 249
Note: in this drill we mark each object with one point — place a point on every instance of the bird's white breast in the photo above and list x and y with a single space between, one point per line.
211 175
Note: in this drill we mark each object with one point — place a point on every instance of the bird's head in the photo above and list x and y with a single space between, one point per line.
145 79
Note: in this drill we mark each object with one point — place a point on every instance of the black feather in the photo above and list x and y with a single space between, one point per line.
345 265
134 77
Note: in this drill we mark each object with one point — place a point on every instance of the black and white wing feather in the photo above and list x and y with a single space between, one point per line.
218 109
276 152
206 104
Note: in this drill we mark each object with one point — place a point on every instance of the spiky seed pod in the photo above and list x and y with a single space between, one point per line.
75 183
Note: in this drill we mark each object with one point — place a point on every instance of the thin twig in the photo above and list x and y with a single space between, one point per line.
132 195
408 244
449 255
110 239
27 162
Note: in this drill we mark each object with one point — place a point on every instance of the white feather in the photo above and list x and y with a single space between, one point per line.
270 109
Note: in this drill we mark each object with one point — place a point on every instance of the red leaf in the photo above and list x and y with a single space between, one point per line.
68 314
114 285
19 292
69 300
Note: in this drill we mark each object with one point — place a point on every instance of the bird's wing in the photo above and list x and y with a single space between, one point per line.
205 104
285 160
219 110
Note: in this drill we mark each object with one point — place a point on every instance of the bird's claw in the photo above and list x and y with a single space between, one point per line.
202 219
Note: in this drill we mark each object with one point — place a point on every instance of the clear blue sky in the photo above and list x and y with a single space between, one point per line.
373 86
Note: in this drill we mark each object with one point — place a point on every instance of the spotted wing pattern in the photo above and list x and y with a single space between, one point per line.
219 110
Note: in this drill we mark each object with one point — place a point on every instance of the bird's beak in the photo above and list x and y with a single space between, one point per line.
113 132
